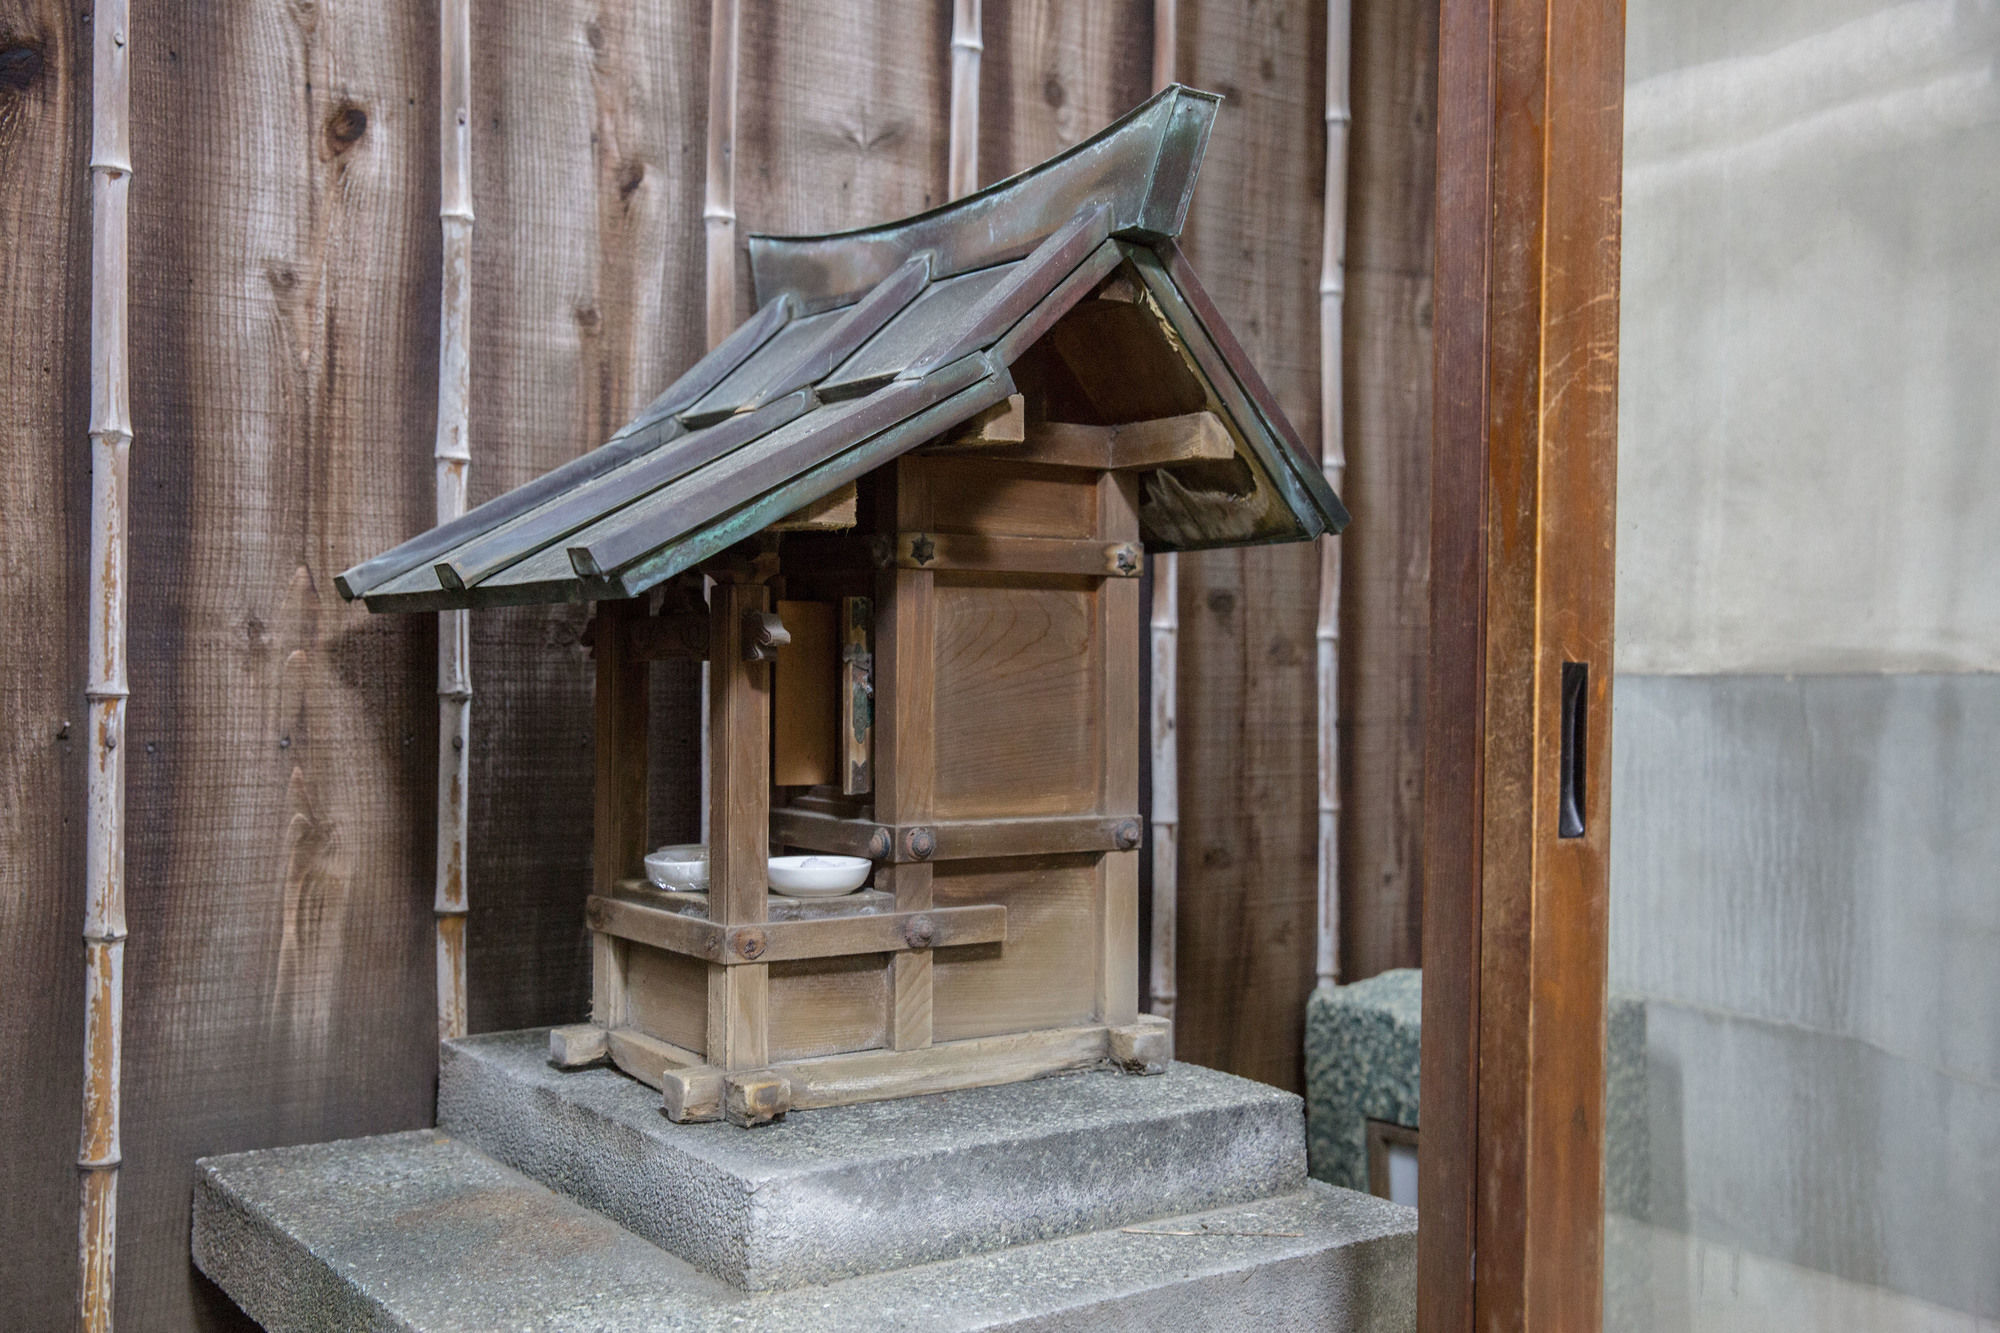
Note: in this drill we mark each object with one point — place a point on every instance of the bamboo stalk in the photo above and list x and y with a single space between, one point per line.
105 687
1166 629
454 458
962 169
718 210
1333 462
719 219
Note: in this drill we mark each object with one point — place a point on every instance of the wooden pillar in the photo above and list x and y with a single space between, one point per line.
906 744
618 844
1118 704
739 760
1530 103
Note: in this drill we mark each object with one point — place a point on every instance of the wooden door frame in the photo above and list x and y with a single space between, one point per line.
1530 111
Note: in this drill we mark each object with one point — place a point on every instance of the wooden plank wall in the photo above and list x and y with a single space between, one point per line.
1249 823
1385 617
285 248
44 518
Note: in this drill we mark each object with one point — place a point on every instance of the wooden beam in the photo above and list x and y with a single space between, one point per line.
1118 766
993 554
1521 563
1196 437
906 743
811 937
833 512
1006 422
739 784
956 839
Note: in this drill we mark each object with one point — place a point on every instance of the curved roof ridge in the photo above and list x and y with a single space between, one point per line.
1143 166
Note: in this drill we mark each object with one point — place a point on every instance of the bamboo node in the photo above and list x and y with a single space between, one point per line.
88 1163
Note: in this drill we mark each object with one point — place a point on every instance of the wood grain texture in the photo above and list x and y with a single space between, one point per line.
587 300
1385 561
45 494
1056 73
1249 834
1018 727
1514 930
620 704
739 782
284 328
845 119
1046 973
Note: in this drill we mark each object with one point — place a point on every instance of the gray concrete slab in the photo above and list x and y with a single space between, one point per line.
422 1233
833 1193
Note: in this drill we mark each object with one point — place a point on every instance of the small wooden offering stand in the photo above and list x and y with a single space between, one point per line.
916 489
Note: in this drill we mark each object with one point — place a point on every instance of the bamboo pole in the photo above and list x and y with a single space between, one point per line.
962 169
105 686
1333 462
719 207
454 457
1166 630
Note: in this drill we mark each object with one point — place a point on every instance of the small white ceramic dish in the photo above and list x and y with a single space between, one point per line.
682 866
818 876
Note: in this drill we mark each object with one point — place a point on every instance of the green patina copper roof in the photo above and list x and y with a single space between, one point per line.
870 343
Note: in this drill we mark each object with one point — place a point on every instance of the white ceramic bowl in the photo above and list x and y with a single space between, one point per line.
682 866
818 876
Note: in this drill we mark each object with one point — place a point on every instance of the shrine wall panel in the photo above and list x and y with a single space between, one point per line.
1045 974
1017 698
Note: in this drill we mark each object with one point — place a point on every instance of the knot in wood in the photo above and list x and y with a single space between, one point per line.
1128 834
919 931
344 127
750 943
21 63
919 843
880 844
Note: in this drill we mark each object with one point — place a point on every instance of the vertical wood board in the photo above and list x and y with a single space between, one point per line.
1385 560
1249 828
45 496
279 983
843 118
1054 74
587 301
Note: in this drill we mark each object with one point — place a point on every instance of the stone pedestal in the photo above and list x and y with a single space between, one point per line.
552 1200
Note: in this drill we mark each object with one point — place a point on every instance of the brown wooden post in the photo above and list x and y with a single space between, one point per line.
619 833
1118 702
1530 109
739 784
906 745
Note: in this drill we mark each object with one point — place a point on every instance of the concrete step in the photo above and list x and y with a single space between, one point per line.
424 1233
834 1193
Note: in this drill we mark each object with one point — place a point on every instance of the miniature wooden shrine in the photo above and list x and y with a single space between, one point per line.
902 513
